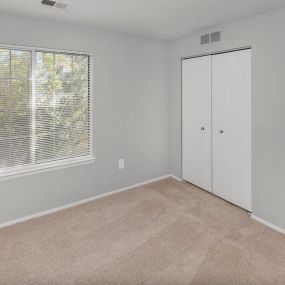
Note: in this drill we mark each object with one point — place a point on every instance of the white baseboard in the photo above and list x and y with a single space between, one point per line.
43 213
175 177
268 224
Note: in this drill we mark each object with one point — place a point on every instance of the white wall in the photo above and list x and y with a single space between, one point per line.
265 33
130 116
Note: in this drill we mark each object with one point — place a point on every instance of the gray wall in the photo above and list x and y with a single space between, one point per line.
130 83
265 33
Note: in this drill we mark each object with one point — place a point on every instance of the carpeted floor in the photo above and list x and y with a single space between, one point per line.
167 232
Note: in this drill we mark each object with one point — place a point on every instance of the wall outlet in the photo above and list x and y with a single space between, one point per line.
122 163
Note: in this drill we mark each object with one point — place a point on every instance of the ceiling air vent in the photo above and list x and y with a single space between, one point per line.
210 38
215 37
205 39
56 4
61 5
48 3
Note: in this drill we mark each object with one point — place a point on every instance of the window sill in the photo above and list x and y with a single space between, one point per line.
45 167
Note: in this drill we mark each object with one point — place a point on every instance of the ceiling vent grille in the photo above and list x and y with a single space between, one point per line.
210 38
215 37
205 39
61 5
48 3
56 4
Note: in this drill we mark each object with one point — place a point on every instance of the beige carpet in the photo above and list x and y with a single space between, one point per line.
167 232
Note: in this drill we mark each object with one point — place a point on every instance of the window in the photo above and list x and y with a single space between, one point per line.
45 109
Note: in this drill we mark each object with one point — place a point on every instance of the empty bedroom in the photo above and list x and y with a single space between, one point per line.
142 142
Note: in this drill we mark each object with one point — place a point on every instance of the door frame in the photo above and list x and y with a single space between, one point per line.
181 100
216 52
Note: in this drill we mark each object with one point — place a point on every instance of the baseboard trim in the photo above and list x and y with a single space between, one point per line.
70 205
175 177
268 224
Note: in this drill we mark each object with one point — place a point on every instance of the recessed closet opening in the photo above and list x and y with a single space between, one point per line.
216 124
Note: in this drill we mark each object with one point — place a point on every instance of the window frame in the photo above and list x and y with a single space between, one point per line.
61 163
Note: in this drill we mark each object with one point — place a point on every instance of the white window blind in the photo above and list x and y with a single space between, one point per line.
45 109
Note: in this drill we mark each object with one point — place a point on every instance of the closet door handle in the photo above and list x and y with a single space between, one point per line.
202 128
221 131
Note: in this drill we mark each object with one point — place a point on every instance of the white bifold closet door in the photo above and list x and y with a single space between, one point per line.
216 124
196 121
231 119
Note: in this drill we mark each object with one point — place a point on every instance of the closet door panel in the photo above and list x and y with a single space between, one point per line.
231 119
196 121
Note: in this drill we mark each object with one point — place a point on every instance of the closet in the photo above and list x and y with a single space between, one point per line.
216 124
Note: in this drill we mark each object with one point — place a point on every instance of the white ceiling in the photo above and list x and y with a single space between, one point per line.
163 19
